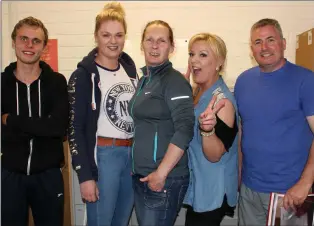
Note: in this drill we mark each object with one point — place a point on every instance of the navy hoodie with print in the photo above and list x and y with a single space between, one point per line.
32 139
85 98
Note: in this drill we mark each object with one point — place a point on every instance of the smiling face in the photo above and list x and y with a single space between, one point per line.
203 62
29 44
110 39
268 48
156 44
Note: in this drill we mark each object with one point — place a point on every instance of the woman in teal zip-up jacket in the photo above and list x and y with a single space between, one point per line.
162 110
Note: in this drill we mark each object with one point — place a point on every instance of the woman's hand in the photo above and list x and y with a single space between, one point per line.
207 120
89 191
155 180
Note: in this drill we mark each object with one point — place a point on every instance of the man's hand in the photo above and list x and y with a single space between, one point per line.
207 119
4 119
89 191
296 195
155 180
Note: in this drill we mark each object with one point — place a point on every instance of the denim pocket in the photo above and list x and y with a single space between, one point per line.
157 200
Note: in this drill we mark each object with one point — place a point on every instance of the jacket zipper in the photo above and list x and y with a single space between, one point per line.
135 96
31 141
132 152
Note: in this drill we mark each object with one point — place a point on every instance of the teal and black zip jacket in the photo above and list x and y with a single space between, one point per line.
162 110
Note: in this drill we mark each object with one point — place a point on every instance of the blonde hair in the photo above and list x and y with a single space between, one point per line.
216 44
111 11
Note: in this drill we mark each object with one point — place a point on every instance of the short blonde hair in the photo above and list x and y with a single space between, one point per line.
111 11
216 44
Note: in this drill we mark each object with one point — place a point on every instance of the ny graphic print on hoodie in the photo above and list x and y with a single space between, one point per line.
87 104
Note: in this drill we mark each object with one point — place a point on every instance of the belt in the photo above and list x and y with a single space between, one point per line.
105 141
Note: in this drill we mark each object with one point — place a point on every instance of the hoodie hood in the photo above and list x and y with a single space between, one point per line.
9 70
89 69
88 63
47 75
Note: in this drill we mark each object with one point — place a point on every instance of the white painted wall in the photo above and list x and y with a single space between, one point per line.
5 44
72 23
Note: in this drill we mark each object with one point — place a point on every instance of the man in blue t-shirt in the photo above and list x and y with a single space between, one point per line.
276 106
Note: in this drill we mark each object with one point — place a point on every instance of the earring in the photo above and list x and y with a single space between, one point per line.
217 68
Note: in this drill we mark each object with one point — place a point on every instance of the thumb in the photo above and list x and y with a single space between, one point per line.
144 179
204 114
97 193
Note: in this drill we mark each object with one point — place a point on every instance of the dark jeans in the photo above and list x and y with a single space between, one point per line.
209 218
43 192
159 208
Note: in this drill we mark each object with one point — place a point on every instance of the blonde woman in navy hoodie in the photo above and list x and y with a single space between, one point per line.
101 130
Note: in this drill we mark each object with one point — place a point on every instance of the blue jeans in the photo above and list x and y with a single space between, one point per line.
159 208
116 196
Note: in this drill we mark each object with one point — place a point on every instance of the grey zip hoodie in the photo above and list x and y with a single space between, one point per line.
163 113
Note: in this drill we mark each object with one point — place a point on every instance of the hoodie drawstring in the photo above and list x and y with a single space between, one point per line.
39 99
17 99
93 92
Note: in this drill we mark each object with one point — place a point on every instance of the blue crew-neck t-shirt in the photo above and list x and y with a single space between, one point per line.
276 136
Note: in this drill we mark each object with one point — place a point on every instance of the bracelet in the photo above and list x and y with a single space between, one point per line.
207 134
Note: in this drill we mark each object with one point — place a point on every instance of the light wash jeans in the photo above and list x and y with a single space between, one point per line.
116 196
